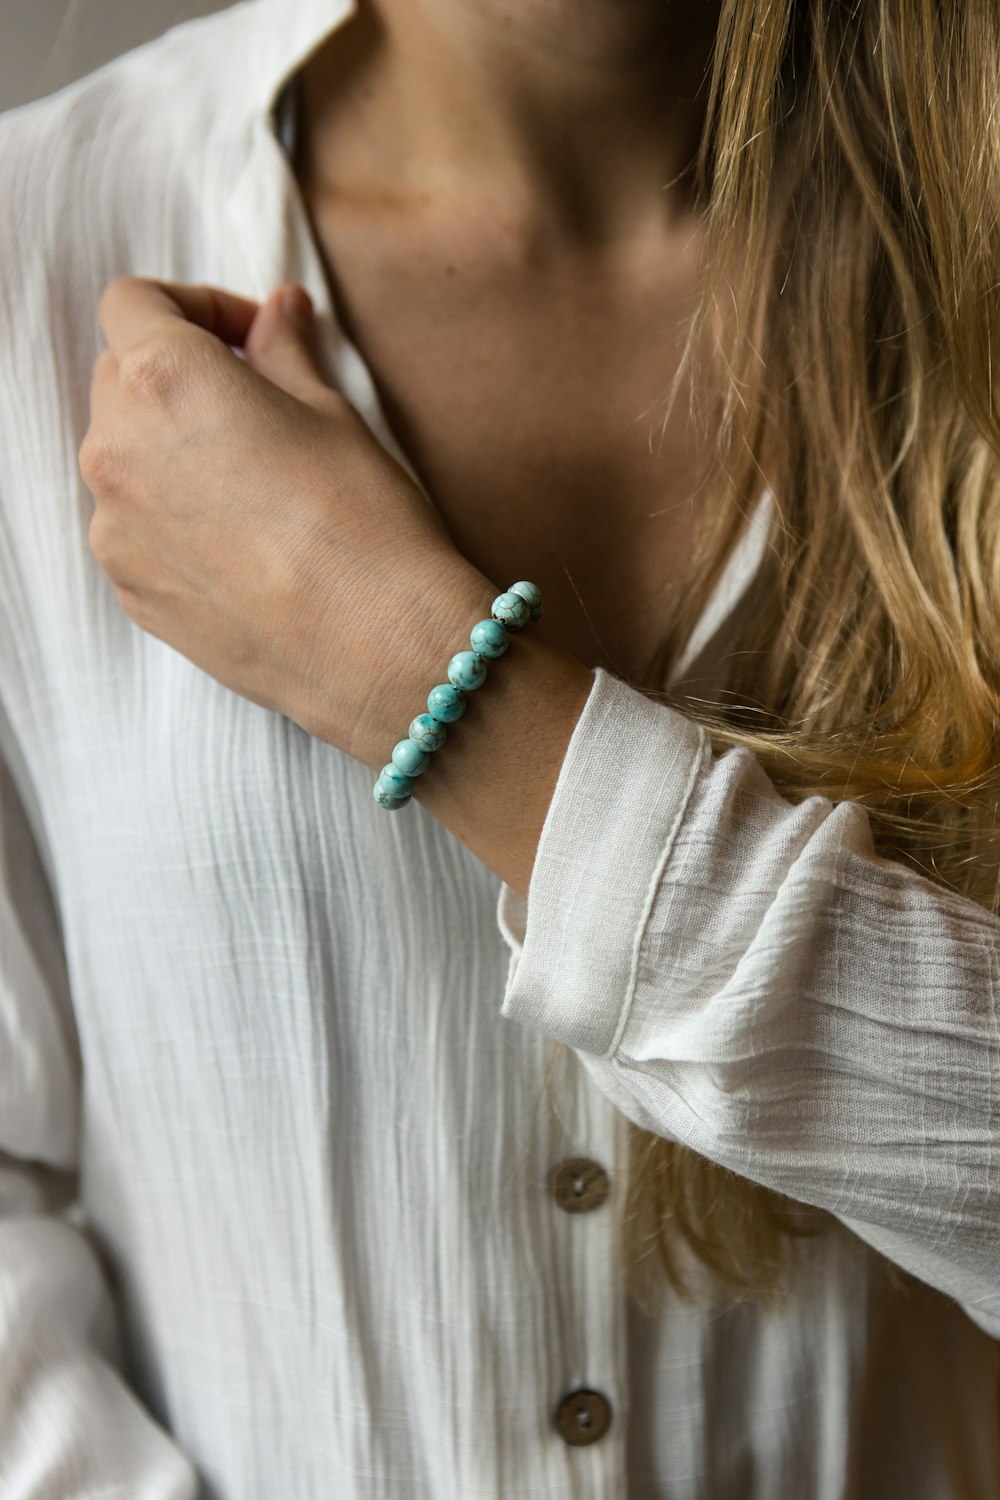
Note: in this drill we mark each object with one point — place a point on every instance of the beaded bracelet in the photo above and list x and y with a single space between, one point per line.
446 702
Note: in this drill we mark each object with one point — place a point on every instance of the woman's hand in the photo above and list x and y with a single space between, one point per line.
247 516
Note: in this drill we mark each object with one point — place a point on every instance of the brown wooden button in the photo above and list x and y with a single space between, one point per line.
578 1185
583 1417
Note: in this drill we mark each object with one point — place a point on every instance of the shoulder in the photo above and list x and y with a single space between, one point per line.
123 172
92 176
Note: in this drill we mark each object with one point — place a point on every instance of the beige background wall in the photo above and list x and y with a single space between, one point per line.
47 43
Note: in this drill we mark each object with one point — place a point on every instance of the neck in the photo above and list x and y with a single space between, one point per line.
580 115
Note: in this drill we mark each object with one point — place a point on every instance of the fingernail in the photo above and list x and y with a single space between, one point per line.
296 304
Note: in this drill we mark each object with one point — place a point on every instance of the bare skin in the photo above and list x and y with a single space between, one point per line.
488 186
501 202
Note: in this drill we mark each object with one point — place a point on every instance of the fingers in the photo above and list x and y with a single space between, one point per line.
134 309
280 346
142 320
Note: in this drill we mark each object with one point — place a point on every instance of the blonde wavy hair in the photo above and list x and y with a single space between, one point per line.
849 172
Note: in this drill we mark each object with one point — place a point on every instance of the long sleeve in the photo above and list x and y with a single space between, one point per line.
748 977
69 1424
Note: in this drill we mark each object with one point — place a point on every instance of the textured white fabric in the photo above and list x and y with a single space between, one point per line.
289 1053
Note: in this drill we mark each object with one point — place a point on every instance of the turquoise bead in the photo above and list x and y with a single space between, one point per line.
466 670
409 758
531 594
489 638
386 800
427 732
393 781
511 611
445 703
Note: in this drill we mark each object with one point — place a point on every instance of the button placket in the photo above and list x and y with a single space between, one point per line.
582 1415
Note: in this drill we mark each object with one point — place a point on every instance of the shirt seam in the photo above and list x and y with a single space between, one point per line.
655 882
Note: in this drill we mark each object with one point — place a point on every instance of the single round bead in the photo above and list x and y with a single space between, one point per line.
466 670
511 610
394 781
384 799
531 594
409 758
528 591
427 732
445 703
489 638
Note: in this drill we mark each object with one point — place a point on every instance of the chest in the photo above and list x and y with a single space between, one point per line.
529 398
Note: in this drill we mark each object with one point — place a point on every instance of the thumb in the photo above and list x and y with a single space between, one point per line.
280 347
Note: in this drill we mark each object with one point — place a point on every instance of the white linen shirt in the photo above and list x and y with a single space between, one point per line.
274 1130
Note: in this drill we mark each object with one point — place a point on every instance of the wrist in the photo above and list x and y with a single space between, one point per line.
412 651
492 781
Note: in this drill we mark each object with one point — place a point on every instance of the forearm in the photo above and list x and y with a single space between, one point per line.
492 781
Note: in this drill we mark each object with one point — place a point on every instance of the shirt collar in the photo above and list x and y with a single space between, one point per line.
264 44
285 34
268 237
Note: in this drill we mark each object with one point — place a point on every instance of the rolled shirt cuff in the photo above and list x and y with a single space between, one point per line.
628 774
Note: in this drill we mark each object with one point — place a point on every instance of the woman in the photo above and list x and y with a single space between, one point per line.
716 1215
